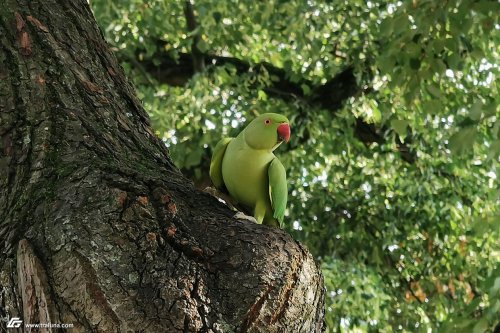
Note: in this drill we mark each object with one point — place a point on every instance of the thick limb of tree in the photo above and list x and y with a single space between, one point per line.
98 227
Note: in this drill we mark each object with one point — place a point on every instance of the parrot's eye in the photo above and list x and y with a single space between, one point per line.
267 121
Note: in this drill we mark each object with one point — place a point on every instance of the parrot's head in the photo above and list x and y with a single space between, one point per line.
267 131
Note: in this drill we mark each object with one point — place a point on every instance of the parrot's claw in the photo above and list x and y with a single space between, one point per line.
242 216
224 198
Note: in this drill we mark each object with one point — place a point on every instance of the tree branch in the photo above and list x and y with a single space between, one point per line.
329 96
196 55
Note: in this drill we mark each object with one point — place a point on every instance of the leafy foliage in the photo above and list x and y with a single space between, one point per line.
406 244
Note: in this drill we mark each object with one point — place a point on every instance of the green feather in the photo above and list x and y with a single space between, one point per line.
278 189
216 163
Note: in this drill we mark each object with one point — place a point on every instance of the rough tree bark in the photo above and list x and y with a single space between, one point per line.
97 226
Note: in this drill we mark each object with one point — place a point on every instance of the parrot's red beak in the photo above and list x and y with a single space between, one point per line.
284 132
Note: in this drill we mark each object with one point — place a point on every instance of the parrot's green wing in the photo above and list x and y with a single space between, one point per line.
278 192
216 163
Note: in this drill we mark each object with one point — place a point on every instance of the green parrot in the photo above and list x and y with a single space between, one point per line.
246 167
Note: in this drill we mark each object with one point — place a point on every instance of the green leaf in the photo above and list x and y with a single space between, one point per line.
261 95
376 256
476 110
386 64
454 61
450 44
401 127
494 149
432 106
401 23
305 88
386 27
434 90
202 46
495 289
413 49
481 326
463 140
486 7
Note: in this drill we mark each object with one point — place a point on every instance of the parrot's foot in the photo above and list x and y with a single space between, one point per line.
212 191
222 197
243 216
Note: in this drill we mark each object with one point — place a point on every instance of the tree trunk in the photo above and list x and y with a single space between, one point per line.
98 228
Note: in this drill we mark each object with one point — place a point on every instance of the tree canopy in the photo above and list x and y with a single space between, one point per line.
393 163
